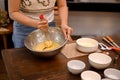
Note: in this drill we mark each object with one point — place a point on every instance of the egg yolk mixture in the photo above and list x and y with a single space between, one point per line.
46 45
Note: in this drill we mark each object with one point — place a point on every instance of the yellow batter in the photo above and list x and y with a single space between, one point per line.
47 45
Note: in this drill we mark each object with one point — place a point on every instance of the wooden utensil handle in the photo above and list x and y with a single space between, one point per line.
109 38
107 41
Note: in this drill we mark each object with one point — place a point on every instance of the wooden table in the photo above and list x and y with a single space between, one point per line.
23 65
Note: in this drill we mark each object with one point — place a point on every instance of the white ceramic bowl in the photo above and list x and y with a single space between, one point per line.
90 75
86 45
112 73
76 66
99 60
106 79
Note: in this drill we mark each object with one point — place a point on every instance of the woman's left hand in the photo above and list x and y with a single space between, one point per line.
67 32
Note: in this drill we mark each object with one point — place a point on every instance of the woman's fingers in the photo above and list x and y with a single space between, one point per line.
67 33
43 25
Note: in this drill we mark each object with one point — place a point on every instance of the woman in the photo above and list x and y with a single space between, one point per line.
25 14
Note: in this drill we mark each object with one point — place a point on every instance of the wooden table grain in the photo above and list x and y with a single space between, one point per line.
21 64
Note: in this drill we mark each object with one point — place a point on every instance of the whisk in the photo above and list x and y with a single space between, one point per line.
48 42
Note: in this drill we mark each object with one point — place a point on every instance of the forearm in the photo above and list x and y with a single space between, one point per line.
63 12
21 18
15 14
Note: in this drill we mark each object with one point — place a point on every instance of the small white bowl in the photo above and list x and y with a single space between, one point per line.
106 79
112 73
86 45
90 75
76 66
99 60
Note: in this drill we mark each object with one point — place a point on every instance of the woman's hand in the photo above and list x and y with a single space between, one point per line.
67 32
43 24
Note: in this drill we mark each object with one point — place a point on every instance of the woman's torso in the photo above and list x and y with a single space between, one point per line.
33 8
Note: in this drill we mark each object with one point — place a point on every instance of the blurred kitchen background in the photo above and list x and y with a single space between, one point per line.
94 17
86 17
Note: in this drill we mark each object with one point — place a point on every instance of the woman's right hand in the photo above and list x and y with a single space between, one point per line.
43 24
